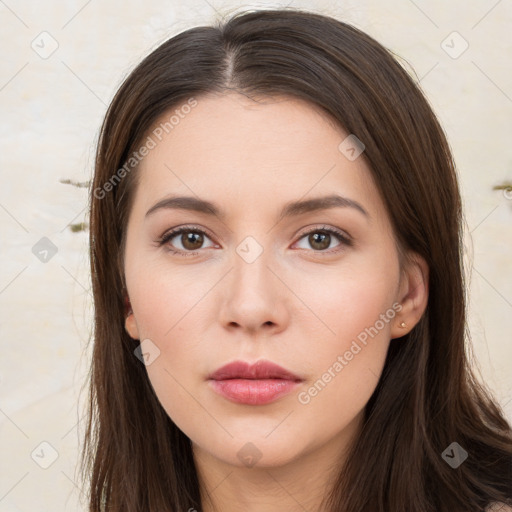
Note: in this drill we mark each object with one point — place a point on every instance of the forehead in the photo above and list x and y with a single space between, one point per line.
257 153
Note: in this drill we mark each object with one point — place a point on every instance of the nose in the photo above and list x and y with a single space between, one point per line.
254 297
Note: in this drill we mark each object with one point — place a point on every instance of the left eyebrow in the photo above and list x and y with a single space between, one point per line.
293 208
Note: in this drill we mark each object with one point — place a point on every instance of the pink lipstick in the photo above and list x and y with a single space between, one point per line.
260 383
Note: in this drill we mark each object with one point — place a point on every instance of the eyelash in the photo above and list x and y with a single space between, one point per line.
166 237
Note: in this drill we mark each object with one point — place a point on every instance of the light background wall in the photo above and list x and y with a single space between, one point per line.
52 107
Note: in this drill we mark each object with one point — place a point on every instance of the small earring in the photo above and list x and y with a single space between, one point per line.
402 324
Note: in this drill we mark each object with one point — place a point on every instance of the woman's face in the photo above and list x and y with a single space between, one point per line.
261 286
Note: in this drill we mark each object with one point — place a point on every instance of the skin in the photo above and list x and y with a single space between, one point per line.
292 305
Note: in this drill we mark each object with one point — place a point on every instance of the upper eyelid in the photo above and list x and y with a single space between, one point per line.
176 231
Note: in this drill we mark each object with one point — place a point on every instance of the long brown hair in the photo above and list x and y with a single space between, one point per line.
134 457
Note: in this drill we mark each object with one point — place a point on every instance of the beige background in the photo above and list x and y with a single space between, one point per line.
52 107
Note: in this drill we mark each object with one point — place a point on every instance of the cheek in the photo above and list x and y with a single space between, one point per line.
349 356
163 299
167 306
340 307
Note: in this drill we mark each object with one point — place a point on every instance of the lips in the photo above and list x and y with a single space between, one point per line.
257 371
258 384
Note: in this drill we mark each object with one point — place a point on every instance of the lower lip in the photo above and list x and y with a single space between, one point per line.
253 392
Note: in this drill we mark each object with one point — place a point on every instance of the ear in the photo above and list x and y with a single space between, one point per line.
413 295
130 324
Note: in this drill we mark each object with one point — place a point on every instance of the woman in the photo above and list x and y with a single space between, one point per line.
278 285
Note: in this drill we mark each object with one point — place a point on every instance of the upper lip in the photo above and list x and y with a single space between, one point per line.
258 370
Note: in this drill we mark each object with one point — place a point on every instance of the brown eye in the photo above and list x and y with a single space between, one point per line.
320 241
190 240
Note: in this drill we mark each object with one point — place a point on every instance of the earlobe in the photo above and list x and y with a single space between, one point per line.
414 297
131 326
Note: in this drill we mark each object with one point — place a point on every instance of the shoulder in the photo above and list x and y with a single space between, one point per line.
498 507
